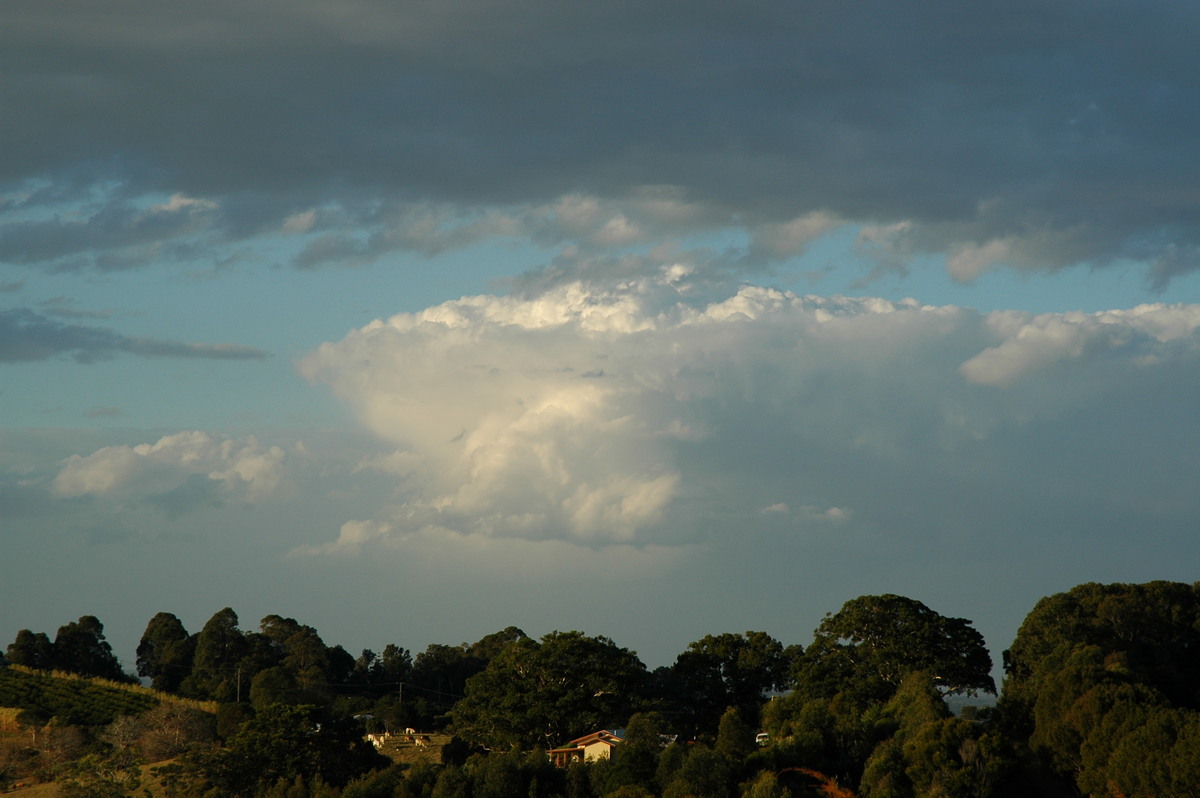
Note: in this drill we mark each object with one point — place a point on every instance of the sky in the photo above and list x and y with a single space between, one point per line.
414 321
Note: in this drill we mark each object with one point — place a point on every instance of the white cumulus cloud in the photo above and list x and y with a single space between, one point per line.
635 414
1034 343
243 469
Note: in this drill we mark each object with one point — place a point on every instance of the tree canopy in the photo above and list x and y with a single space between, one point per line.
1102 686
80 647
1102 697
541 693
873 642
726 670
165 652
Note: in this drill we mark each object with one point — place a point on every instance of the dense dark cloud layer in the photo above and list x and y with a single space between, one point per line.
1036 134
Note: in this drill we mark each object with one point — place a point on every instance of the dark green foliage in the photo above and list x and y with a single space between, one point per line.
220 646
1103 689
395 667
285 742
921 750
494 776
636 760
98 776
578 781
867 648
908 747
274 686
670 763
76 702
300 650
833 735
438 676
539 694
452 782
1161 756
765 784
721 671
955 757
340 666
884 774
1103 684
33 650
1154 627
498 776
300 787
386 783
704 772
80 647
230 718
735 739
165 652
457 751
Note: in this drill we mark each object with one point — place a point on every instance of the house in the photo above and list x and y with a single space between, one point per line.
590 747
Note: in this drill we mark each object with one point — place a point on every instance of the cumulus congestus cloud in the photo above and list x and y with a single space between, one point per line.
634 414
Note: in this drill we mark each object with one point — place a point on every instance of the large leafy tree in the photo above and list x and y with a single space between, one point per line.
1102 681
31 649
1154 627
165 652
220 646
722 671
541 693
869 646
394 667
80 647
438 676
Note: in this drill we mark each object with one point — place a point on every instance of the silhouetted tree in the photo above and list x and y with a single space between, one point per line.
873 642
80 647
33 650
165 652
216 674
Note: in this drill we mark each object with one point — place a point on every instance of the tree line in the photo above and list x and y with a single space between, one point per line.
1101 696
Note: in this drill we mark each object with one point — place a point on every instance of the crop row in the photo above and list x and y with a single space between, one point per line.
71 701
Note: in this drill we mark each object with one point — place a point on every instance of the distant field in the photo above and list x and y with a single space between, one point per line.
398 750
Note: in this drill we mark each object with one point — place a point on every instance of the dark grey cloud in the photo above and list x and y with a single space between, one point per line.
28 336
117 233
1034 133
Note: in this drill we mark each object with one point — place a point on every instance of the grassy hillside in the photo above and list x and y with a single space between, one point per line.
32 752
78 700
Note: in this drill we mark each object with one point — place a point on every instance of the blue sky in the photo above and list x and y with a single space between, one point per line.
414 321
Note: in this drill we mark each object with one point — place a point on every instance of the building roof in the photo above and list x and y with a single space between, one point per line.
610 736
